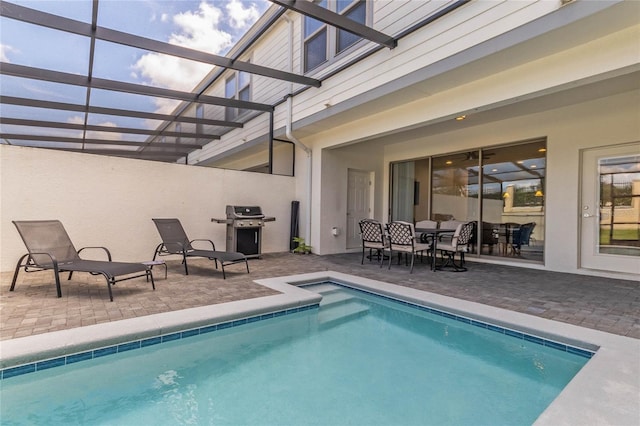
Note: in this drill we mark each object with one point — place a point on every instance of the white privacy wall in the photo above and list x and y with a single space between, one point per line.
109 201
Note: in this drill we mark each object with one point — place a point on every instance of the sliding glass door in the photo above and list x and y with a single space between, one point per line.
513 201
500 189
455 187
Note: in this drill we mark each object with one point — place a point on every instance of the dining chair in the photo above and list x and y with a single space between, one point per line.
373 238
521 237
449 224
402 239
459 244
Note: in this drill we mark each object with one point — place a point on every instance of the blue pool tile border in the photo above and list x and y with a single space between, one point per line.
585 353
123 347
137 344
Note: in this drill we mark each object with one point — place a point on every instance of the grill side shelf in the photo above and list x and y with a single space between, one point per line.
224 221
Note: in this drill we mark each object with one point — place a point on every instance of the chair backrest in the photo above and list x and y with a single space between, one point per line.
450 224
46 236
173 235
401 233
371 231
525 234
426 224
463 234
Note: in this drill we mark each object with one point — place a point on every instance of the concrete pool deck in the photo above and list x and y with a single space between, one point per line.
605 391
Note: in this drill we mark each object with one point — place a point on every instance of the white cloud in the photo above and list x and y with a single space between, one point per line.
76 119
91 134
198 30
201 30
4 52
241 16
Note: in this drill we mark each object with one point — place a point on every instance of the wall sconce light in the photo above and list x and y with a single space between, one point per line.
506 195
539 193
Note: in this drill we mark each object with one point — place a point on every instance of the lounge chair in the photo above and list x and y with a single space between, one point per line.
50 247
176 242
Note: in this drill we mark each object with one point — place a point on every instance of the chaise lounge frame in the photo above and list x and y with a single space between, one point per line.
175 242
56 252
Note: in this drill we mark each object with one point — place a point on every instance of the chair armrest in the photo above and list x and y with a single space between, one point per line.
213 246
54 261
102 248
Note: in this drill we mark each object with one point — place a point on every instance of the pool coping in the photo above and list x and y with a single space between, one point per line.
31 349
605 391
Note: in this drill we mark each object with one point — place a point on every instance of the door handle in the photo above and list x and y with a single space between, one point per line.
585 215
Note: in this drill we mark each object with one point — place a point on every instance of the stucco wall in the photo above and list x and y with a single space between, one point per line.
110 201
603 122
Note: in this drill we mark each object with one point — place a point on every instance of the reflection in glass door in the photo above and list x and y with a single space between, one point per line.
619 205
513 201
455 189
610 213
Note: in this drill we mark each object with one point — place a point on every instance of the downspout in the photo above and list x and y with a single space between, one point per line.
292 138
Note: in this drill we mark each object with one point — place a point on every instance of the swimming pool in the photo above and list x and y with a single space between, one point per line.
357 359
605 390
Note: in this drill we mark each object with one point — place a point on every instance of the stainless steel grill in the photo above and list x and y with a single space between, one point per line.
244 229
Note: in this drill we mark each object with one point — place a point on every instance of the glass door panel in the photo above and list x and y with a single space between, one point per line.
513 201
455 187
403 191
619 206
610 209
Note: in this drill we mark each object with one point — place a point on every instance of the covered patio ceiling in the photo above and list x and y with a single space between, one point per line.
60 94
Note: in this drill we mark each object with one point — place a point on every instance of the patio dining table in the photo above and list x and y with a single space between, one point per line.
434 233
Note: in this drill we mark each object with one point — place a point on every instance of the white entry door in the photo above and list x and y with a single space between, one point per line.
610 209
358 204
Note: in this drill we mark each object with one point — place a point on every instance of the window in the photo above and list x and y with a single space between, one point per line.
321 42
619 202
238 86
356 13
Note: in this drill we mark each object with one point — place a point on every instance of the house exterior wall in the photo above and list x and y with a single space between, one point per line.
513 67
108 201
527 90
281 49
568 130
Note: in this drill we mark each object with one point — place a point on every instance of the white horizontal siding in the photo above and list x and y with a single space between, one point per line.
457 31
393 17
467 26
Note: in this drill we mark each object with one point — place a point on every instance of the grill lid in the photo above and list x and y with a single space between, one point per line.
244 212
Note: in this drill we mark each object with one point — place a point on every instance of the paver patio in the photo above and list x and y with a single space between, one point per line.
604 304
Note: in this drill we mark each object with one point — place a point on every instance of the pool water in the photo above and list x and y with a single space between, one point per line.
357 360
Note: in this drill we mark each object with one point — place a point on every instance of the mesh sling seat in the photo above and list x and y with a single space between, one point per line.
459 244
176 242
373 238
49 247
402 239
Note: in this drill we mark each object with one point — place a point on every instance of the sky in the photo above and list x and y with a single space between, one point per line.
213 26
